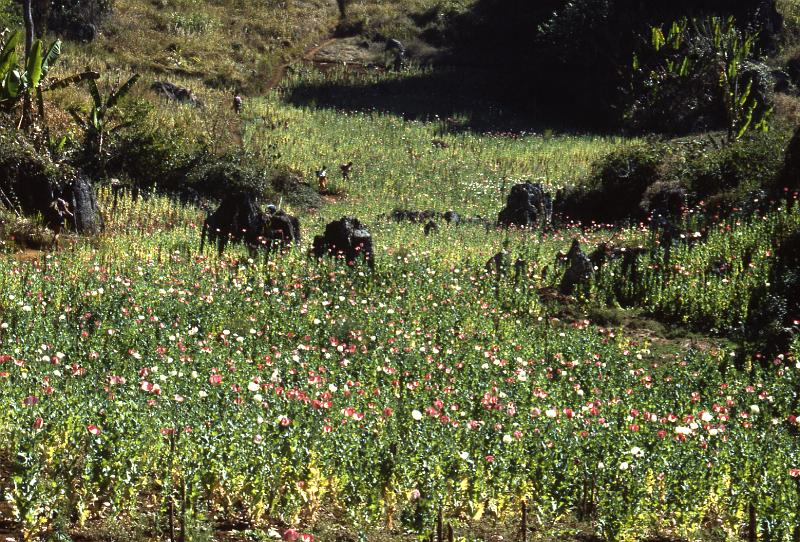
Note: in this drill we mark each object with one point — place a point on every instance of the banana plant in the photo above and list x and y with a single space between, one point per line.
17 80
22 78
96 125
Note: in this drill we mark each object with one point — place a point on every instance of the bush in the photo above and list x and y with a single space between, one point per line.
28 178
790 173
574 65
73 19
617 186
150 156
775 308
725 175
699 75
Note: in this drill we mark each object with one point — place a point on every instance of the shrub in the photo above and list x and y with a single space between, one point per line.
74 19
775 308
28 177
725 175
618 183
294 190
217 176
790 173
699 75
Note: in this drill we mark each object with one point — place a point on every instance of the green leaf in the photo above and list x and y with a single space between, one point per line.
51 57
12 83
684 69
34 65
95 92
9 49
120 93
77 118
7 62
658 38
95 119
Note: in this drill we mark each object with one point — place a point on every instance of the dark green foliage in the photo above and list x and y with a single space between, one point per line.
29 179
725 178
699 75
154 159
294 190
217 176
790 174
73 19
774 309
724 175
617 186
580 57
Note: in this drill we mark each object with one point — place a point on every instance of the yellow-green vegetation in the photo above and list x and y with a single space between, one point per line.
413 164
226 44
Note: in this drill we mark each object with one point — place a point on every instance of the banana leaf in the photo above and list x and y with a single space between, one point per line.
33 67
51 57
7 62
12 84
9 50
120 93
95 92
72 80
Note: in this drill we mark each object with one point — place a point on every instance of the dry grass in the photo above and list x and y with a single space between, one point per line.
218 44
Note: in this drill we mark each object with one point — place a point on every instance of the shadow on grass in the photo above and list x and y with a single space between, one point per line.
463 99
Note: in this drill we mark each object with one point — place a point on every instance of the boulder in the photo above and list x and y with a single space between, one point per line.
431 227
282 230
176 93
86 217
579 270
347 238
413 215
451 217
238 219
528 205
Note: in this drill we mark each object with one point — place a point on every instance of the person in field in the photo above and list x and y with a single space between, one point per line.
346 170
322 178
61 212
237 103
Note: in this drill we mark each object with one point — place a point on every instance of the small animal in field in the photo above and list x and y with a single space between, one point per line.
322 178
346 170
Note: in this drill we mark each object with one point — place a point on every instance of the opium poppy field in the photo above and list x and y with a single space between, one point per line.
149 391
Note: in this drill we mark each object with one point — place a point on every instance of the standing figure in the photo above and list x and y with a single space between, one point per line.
61 212
237 103
322 179
346 169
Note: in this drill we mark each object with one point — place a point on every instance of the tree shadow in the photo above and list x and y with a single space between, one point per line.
462 98
520 65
